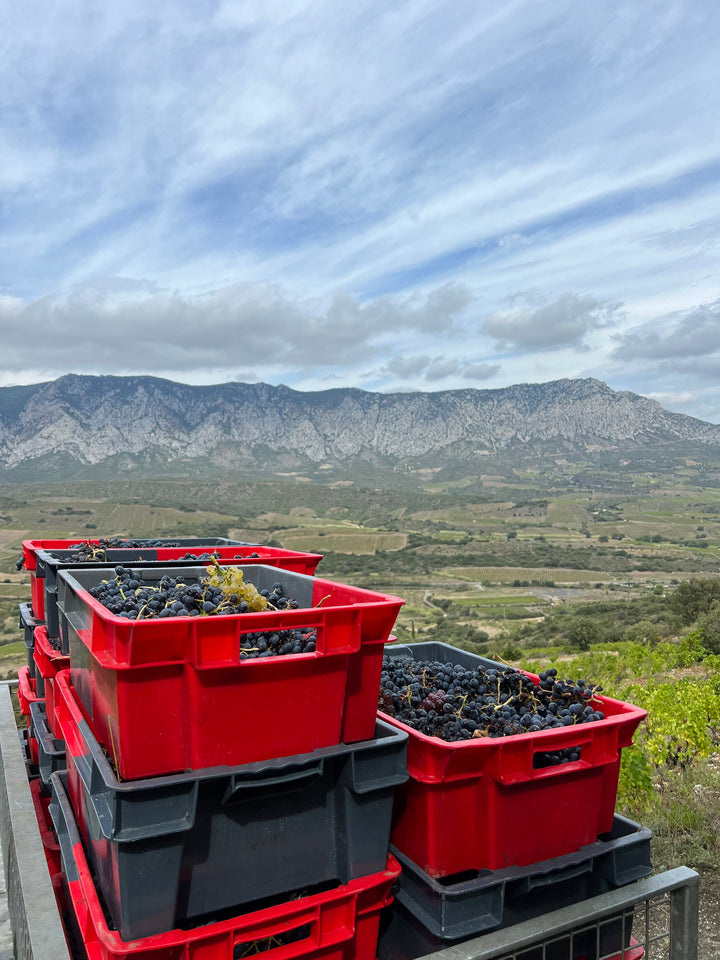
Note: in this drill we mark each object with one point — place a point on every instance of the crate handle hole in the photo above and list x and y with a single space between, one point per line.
556 758
249 948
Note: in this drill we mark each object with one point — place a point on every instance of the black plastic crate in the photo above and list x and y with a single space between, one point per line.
429 914
402 937
167 851
27 624
51 750
31 768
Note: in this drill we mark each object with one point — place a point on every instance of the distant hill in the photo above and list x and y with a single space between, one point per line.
83 427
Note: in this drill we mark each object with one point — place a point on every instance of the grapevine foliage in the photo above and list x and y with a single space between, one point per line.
679 685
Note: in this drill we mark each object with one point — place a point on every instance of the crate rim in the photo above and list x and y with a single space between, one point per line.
372 598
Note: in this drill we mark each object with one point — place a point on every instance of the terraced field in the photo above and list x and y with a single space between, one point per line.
354 542
537 574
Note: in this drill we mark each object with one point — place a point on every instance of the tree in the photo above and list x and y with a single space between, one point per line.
641 632
581 632
695 597
709 626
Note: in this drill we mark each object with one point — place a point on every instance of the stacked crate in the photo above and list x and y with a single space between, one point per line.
46 559
213 808
488 836
210 806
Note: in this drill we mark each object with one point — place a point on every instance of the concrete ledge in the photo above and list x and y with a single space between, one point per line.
37 928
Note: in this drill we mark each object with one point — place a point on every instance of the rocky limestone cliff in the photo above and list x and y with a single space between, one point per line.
87 420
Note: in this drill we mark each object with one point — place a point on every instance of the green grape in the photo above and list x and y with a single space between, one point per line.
232 583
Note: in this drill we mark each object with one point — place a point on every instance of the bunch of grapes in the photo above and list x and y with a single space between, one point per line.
223 591
231 582
215 555
278 643
95 552
454 703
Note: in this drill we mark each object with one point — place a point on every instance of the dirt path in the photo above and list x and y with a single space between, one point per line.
428 602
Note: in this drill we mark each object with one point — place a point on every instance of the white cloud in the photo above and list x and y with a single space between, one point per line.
697 334
122 323
426 370
566 322
480 371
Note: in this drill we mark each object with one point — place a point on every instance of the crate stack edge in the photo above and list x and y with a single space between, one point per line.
172 845
486 839
479 839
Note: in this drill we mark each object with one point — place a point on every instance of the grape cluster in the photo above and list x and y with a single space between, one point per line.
95 552
129 595
453 703
222 591
278 643
231 582
205 557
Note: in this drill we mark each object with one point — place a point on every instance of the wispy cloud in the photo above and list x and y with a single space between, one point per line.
696 334
353 187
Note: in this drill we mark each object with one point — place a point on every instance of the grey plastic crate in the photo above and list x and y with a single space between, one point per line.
169 850
497 898
429 915
402 937
440 653
51 750
27 624
72 608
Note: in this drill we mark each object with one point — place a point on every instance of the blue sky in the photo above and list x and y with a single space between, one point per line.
421 195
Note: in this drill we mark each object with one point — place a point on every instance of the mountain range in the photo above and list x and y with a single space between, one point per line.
105 426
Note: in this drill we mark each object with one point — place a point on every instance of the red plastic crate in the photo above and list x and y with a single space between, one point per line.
338 924
481 804
27 692
51 846
182 677
634 951
187 544
166 851
48 662
40 560
34 749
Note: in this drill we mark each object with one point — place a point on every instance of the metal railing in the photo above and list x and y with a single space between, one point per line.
661 912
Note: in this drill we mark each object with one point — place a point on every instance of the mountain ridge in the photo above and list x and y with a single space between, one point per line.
140 421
